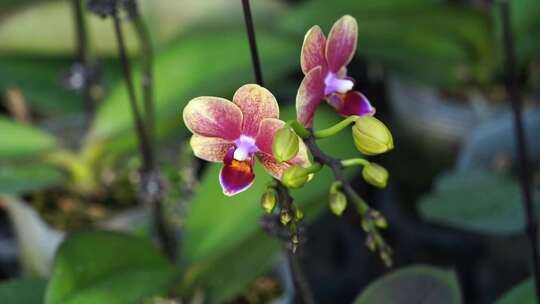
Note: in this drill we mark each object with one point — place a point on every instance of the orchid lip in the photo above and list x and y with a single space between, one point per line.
245 147
335 84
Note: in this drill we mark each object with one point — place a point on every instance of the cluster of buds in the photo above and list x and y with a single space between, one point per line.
290 216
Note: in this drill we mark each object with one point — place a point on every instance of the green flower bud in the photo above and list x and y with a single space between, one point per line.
371 136
295 177
285 145
298 214
338 202
285 217
269 200
375 175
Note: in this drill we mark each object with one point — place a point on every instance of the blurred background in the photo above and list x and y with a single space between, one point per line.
433 69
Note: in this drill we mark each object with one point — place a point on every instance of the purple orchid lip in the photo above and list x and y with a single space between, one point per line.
236 176
335 84
352 103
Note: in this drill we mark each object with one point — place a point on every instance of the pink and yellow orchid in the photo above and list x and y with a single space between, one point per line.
324 66
234 132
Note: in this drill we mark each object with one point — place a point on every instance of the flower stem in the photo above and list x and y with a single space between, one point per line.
354 162
335 128
298 277
512 86
83 58
151 183
147 55
252 42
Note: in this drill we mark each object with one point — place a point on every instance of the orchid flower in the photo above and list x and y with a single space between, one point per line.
324 66
234 132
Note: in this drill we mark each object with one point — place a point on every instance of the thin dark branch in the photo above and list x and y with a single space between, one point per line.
512 86
147 55
303 292
83 59
144 144
252 43
152 185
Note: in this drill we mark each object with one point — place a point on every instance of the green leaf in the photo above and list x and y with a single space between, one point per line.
22 178
522 293
166 20
413 285
202 64
107 267
477 201
23 291
23 141
213 239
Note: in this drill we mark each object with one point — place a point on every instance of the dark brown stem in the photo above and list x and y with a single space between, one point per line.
147 55
303 292
252 43
152 186
512 86
83 59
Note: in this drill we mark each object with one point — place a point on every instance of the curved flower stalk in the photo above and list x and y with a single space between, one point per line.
237 132
324 64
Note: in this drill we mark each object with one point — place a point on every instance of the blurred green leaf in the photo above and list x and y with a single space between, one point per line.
107 267
525 22
25 177
212 239
22 141
40 81
522 293
413 285
166 20
478 201
202 64
406 35
23 291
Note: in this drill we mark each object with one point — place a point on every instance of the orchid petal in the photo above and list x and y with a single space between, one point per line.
313 50
341 43
309 96
265 137
235 176
213 117
256 104
211 149
355 103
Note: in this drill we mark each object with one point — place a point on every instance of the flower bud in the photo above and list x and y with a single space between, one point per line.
375 175
338 202
295 177
285 217
371 136
285 145
269 200
298 214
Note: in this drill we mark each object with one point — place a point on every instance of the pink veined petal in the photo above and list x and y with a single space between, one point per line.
256 104
265 137
355 103
313 49
213 117
341 43
271 165
211 149
309 96
235 176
